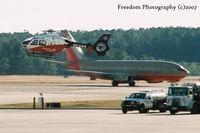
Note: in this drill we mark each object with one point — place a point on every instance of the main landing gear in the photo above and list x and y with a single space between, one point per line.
116 83
131 83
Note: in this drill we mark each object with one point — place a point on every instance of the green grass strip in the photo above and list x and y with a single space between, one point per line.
72 104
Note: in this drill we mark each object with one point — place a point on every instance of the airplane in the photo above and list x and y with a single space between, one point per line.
51 43
121 71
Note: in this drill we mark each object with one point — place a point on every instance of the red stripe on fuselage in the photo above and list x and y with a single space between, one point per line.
148 78
154 78
72 58
51 49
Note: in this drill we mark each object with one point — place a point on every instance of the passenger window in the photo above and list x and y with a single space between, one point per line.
34 42
42 42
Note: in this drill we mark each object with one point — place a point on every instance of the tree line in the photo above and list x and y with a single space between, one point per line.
176 44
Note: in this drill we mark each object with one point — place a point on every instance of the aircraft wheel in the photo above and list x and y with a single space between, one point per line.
115 83
132 83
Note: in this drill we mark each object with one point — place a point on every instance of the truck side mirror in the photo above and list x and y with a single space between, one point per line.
148 98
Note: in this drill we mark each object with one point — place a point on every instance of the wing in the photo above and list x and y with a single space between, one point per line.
103 75
57 62
96 74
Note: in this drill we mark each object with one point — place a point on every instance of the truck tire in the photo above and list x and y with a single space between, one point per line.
194 109
142 109
124 111
162 110
172 112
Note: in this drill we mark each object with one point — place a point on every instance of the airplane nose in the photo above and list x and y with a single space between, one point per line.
187 71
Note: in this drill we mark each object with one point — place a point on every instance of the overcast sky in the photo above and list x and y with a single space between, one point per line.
37 15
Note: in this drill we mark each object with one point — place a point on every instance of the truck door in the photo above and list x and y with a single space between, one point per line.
189 98
149 102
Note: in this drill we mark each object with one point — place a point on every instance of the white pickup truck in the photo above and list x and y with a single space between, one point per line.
145 101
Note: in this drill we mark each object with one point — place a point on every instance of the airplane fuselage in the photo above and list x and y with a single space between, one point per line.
121 70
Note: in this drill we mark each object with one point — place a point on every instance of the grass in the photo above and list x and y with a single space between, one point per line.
72 104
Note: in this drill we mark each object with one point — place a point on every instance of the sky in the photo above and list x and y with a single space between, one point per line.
38 15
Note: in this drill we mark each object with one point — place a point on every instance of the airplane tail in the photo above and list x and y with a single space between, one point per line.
73 54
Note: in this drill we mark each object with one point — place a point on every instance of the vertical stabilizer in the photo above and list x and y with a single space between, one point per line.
74 54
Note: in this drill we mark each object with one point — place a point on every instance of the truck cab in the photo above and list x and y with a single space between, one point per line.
182 98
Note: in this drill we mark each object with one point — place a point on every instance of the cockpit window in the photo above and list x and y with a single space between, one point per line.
34 42
179 68
42 42
27 41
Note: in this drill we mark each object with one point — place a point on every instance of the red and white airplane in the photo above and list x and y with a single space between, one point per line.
120 71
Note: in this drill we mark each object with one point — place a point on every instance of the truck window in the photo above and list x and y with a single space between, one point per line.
132 95
137 95
140 95
178 91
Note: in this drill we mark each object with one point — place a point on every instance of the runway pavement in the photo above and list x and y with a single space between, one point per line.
22 90
55 89
95 121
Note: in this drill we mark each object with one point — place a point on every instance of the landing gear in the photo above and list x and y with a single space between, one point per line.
115 83
131 83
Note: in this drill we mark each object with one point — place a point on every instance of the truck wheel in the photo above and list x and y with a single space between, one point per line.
172 112
194 109
124 111
142 109
164 109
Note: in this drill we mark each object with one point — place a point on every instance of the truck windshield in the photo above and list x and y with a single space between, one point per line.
137 95
178 91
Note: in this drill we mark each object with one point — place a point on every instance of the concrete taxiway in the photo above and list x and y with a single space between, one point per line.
57 89
22 90
95 121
